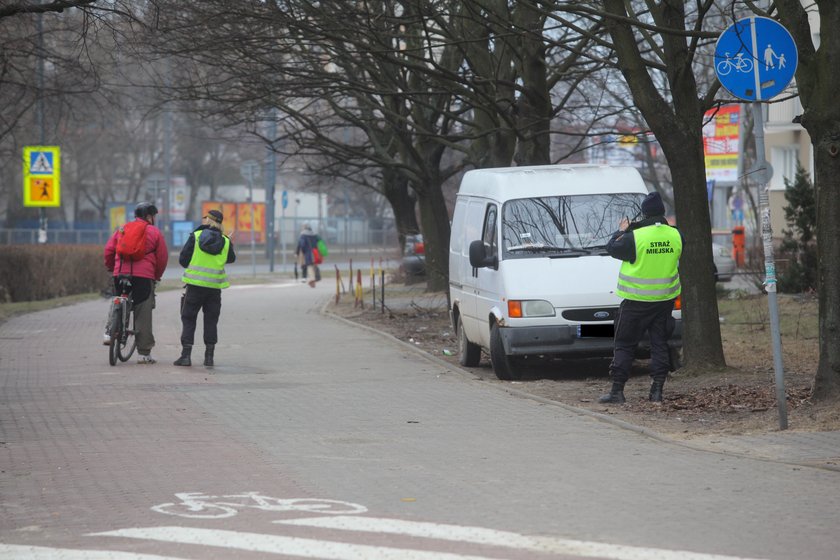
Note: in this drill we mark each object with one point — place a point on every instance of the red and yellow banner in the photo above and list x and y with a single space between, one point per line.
239 219
721 143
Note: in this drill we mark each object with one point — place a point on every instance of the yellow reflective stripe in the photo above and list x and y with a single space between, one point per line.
207 270
209 279
637 280
648 292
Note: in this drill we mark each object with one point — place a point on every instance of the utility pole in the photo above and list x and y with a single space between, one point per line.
42 212
270 179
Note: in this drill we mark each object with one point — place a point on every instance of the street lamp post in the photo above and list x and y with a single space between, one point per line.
249 170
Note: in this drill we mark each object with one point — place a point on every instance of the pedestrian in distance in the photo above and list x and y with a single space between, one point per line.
649 283
205 253
138 250
306 252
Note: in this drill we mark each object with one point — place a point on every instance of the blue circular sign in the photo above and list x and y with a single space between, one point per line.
755 58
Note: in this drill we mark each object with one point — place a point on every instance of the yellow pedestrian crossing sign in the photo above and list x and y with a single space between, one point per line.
42 176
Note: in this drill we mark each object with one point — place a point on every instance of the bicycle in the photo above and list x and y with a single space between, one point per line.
122 330
738 63
202 506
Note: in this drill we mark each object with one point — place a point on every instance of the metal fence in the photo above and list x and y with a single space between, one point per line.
348 234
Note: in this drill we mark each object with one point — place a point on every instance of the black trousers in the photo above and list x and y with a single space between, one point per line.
634 318
199 298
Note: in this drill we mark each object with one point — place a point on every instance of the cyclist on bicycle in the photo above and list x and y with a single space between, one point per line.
144 273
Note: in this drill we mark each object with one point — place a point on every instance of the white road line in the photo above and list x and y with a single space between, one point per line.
274 544
481 535
23 552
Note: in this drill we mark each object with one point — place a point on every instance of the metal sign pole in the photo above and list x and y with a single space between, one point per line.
769 262
251 205
755 60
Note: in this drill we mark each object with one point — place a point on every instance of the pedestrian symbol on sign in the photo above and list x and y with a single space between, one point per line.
41 163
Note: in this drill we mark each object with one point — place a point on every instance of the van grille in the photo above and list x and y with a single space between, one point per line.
595 314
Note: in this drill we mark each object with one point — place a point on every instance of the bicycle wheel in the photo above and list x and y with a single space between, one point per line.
746 66
127 341
724 67
319 505
116 335
204 511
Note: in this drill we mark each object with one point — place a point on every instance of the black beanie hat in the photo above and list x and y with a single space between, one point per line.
215 215
652 205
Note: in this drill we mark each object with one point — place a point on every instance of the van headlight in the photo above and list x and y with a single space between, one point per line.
518 308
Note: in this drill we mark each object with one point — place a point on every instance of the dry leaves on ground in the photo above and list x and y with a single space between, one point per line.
739 399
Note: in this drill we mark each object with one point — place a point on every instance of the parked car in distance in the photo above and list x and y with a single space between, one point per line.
724 263
414 255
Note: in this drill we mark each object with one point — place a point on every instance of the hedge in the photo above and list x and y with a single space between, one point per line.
39 272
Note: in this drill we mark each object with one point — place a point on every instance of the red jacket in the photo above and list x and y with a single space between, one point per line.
150 266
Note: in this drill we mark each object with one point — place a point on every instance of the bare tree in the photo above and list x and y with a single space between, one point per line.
819 81
659 45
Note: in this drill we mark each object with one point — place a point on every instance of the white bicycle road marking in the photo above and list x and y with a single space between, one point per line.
483 536
274 544
25 552
331 550
197 505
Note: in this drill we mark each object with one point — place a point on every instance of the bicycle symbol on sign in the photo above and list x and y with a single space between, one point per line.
737 63
202 506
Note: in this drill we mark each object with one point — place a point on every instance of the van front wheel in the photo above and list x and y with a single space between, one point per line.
469 354
502 363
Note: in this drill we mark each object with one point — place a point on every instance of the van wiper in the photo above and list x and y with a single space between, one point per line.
535 249
564 252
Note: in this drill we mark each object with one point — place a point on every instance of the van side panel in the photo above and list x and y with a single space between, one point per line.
464 286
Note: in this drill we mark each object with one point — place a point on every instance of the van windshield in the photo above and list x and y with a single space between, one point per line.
564 226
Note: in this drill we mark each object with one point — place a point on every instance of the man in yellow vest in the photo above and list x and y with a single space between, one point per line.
203 257
649 282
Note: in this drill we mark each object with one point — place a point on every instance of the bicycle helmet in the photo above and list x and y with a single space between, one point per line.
145 209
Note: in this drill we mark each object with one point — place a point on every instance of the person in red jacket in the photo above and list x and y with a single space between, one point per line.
144 274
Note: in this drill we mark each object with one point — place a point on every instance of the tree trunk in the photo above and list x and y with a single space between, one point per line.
396 191
818 82
534 105
435 220
702 344
826 143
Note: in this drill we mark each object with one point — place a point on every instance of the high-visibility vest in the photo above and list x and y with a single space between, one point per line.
205 269
654 275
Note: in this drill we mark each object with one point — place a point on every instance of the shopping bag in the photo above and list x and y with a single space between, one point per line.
322 248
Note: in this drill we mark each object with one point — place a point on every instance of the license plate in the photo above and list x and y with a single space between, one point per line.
596 331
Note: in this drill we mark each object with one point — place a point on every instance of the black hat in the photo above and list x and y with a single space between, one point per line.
215 215
652 205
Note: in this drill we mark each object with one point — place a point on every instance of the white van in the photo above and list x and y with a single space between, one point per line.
529 276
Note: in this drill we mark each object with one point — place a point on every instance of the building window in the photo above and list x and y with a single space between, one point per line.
783 159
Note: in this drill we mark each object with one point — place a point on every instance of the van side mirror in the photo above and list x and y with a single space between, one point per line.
479 258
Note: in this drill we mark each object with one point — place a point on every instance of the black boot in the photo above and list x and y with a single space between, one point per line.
184 360
208 355
615 396
656 391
